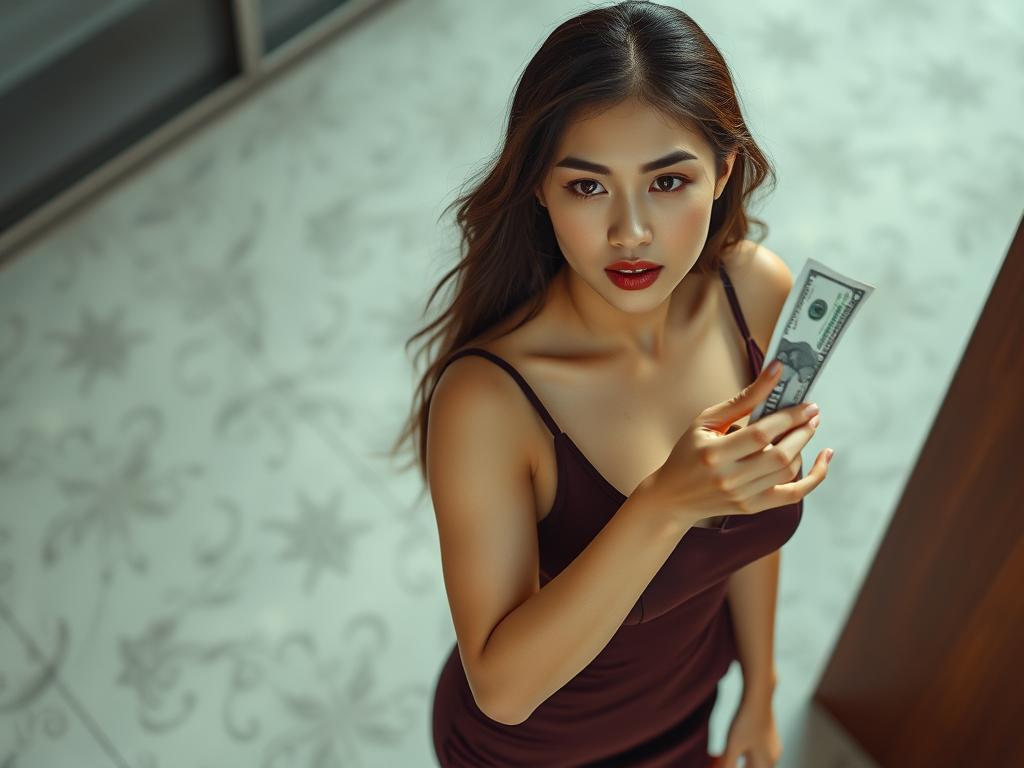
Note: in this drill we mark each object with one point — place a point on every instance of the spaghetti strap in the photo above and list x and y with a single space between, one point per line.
731 293
754 353
527 390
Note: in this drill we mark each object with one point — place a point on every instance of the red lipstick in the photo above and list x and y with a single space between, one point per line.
632 282
633 265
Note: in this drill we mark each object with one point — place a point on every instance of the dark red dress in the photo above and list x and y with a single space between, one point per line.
646 698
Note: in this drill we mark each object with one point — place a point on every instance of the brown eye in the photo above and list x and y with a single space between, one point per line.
577 187
669 179
583 187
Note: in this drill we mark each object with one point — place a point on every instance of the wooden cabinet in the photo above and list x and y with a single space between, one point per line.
928 670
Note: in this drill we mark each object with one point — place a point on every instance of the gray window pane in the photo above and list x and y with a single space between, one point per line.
80 82
283 19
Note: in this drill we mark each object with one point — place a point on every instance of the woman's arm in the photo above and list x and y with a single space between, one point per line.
752 593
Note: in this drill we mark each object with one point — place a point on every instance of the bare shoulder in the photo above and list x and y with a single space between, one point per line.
479 478
478 394
762 281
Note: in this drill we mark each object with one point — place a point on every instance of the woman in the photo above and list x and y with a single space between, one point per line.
605 514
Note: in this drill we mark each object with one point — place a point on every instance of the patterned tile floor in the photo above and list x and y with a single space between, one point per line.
204 560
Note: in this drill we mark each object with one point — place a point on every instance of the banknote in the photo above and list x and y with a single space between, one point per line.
817 313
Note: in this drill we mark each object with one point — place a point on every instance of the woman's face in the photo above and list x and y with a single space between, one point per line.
623 211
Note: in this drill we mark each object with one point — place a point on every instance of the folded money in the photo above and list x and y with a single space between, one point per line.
817 312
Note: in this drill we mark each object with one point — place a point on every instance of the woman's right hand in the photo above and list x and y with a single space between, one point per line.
711 473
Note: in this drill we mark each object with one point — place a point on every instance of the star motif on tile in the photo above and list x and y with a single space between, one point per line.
98 346
317 537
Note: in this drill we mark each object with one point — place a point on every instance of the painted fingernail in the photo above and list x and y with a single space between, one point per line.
828 455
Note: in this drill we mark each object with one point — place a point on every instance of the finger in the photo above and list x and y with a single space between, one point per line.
783 493
751 440
721 415
727 759
773 458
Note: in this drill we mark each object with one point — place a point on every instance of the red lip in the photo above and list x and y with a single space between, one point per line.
633 265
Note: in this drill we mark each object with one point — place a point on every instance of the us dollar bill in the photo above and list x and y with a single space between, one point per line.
817 312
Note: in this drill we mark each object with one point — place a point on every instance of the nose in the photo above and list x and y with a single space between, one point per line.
631 230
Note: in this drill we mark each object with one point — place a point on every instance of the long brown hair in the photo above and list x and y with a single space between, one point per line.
642 51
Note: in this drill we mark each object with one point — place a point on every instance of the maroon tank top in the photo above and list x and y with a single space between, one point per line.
646 698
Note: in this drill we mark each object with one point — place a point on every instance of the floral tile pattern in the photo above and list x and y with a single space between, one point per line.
206 559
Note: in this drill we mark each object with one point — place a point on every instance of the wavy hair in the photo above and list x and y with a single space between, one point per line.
634 50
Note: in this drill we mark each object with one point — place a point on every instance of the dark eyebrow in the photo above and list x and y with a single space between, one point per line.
585 165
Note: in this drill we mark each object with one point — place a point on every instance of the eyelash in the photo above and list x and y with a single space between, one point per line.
572 184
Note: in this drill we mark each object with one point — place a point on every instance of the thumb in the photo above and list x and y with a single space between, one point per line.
723 414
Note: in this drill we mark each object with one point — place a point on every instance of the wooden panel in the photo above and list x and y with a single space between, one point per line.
928 670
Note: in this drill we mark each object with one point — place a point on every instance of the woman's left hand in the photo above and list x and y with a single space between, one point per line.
753 735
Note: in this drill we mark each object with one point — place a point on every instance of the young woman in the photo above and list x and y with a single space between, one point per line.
608 521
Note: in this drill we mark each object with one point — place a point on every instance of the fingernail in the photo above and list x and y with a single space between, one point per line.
774 367
828 456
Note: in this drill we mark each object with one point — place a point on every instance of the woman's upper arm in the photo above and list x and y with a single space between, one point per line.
478 468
